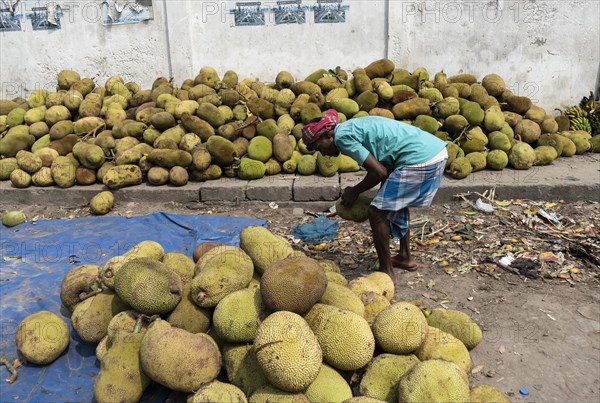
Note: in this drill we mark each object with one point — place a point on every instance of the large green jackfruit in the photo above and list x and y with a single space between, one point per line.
148 286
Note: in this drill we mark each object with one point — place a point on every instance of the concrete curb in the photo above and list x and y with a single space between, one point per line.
569 179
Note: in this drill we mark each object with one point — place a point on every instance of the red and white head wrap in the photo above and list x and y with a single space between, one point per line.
313 131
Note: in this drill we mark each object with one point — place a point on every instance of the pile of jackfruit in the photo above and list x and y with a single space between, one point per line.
212 126
261 322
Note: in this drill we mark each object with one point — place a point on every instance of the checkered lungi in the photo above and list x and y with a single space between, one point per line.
409 186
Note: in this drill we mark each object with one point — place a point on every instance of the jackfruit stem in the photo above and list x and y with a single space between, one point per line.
12 368
83 296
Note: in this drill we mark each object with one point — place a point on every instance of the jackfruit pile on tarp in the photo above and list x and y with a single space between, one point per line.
35 258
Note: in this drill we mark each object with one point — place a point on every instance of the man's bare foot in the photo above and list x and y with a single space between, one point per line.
404 264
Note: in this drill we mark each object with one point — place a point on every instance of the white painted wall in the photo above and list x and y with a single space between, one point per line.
548 50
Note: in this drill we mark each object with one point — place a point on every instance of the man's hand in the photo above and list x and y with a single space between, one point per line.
349 196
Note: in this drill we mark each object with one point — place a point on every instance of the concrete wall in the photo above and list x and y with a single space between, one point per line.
547 50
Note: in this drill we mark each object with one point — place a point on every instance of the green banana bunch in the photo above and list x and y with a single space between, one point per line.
575 112
581 123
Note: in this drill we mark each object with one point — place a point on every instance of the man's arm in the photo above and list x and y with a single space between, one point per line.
376 173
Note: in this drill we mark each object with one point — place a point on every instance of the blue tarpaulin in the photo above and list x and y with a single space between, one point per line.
34 257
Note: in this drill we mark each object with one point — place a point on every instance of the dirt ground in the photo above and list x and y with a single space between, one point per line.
540 312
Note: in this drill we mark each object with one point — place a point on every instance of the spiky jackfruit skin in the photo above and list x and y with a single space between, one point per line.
345 337
122 361
189 316
521 156
342 297
487 394
361 285
148 286
381 377
434 381
218 392
42 337
242 367
91 317
363 399
219 272
357 212
263 247
288 351
293 284
458 324
236 316
329 386
442 345
179 263
400 328
178 359
268 393
78 280
374 303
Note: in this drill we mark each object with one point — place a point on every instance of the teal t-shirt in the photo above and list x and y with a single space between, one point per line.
394 144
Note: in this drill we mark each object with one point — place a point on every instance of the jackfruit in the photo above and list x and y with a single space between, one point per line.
157 176
434 381
499 141
189 316
28 161
306 165
518 104
411 108
288 351
472 112
121 361
242 367
102 203
148 286
178 359
521 156
328 386
91 317
345 337
217 391
179 263
497 159
426 123
544 155
7 165
528 131
21 179
251 169
487 394
441 345
460 168
219 272
400 328
343 298
458 324
381 377
268 393
236 317
477 160
42 337
122 176
463 78
294 284
78 281
379 68
260 148
374 303
357 212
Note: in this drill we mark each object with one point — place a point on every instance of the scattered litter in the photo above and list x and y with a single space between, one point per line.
321 229
551 217
482 206
477 369
502 349
523 391
273 205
